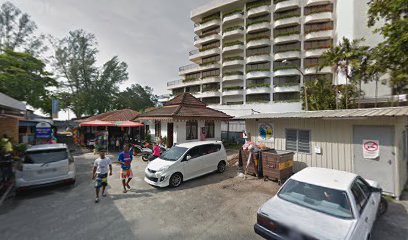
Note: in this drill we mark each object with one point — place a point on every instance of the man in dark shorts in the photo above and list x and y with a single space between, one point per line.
100 174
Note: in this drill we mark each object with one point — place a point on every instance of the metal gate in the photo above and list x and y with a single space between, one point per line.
370 162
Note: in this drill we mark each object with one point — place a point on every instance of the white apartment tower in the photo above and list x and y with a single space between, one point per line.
255 55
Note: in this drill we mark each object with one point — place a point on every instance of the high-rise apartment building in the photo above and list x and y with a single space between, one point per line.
256 55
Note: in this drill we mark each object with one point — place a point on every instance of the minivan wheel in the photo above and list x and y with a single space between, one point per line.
221 167
176 180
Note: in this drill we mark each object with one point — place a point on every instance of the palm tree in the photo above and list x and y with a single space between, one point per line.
321 94
351 60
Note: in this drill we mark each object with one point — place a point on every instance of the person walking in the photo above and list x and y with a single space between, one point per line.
125 158
6 158
156 151
100 173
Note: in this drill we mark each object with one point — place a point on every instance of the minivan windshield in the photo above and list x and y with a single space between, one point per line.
46 156
173 154
326 200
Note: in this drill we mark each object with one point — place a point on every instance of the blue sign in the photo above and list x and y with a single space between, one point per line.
43 133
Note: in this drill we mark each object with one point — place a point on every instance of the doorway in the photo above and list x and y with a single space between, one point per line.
169 142
374 156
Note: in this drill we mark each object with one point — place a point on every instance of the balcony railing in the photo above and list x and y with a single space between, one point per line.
233 12
188 67
174 83
318 9
256 4
233 28
194 52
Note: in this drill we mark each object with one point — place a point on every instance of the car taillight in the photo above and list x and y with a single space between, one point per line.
266 222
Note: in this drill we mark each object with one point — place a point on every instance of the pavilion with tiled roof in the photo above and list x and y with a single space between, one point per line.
184 118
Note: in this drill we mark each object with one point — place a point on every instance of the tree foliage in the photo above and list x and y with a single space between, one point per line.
321 94
89 89
353 61
17 31
390 18
23 77
136 97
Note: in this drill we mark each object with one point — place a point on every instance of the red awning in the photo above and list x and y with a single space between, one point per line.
128 124
96 123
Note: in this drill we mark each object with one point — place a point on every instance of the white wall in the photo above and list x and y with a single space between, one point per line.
335 137
246 109
180 131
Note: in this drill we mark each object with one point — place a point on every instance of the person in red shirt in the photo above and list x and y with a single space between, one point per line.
156 150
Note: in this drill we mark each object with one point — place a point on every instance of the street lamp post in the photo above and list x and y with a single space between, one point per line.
286 62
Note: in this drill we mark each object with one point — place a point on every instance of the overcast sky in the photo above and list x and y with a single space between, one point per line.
152 36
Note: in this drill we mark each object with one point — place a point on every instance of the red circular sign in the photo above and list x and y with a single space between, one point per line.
371 146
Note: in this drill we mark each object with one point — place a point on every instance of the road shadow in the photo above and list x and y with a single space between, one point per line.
393 225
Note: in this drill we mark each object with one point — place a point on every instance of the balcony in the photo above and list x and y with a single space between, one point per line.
210 79
174 84
315 52
287 55
196 55
318 35
198 42
204 26
209 93
286 5
259 73
260 42
258 26
233 76
285 71
318 2
286 88
258 58
319 17
314 70
232 91
209 66
189 69
239 31
233 62
287 22
233 47
234 16
262 88
295 37
257 11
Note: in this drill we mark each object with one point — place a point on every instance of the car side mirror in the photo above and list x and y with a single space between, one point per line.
188 157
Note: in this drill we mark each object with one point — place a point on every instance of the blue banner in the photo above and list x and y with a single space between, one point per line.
54 108
43 133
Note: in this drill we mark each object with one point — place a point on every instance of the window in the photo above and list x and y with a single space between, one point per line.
46 156
157 129
191 130
209 129
361 192
298 140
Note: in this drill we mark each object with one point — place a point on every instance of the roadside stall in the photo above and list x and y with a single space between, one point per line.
97 133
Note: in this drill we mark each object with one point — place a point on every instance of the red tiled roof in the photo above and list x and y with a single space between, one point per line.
117 115
185 99
188 107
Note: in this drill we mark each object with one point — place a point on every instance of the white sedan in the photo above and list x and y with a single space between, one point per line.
319 203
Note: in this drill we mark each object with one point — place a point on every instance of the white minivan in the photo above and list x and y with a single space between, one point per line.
186 161
45 164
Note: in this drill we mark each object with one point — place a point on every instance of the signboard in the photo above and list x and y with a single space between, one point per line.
43 130
371 149
54 108
265 132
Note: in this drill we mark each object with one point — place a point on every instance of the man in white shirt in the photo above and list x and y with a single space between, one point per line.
100 173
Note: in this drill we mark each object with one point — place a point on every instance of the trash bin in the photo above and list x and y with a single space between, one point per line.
277 165
255 164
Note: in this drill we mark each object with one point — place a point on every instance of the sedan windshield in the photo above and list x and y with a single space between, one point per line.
326 200
173 154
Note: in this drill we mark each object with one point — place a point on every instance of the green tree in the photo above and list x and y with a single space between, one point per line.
24 78
390 19
88 89
321 94
354 62
17 31
136 97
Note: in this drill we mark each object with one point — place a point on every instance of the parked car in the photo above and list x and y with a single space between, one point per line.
186 161
45 164
319 203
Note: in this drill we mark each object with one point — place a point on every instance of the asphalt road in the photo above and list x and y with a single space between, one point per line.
216 206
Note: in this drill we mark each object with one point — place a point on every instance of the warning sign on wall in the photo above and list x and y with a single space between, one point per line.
371 149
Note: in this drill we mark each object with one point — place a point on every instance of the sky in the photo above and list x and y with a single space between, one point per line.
152 36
